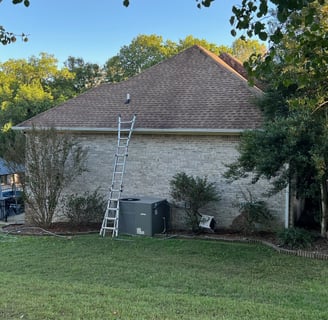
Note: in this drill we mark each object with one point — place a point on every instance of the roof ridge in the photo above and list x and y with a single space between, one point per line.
207 52
164 61
221 62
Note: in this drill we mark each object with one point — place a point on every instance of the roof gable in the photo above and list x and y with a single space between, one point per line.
193 90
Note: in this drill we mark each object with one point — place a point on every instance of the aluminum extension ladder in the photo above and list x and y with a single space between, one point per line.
112 213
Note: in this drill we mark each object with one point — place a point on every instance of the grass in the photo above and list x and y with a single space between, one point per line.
89 277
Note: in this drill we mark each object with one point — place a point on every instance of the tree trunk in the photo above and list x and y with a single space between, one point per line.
324 207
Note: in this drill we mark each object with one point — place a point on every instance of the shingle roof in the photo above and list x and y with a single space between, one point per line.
193 90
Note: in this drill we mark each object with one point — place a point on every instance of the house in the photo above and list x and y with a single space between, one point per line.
191 110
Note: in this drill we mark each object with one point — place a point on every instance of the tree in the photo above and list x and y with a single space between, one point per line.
53 161
292 147
243 49
253 16
191 41
143 52
86 74
147 50
26 88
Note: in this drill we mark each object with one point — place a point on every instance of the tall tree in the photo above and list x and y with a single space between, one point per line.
189 41
147 50
86 74
292 147
243 49
143 52
252 16
25 87
28 87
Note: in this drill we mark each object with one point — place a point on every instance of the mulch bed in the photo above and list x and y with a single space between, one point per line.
318 250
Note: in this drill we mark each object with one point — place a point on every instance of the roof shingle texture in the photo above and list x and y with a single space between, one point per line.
193 90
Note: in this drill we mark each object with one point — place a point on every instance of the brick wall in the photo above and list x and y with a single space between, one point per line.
154 159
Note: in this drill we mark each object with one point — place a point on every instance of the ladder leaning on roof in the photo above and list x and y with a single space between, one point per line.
111 217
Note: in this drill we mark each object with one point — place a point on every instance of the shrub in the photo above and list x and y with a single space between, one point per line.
195 192
84 209
295 238
253 212
53 160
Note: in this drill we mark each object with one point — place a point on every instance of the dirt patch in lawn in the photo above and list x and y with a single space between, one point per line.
60 228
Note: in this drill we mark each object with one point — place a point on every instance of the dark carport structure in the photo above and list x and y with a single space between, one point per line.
10 193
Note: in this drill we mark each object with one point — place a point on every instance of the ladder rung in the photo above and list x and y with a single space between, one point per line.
109 228
112 209
110 218
125 121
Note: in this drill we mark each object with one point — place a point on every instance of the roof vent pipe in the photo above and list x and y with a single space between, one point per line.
127 101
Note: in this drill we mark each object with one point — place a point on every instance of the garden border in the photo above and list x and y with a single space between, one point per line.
299 253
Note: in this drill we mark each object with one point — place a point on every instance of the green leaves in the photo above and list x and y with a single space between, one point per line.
294 106
26 2
195 192
147 50
7 37
200 3
242 49
28 87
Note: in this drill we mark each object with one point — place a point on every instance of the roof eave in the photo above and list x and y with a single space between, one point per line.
170 131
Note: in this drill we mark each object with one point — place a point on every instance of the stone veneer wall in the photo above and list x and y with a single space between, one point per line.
154 159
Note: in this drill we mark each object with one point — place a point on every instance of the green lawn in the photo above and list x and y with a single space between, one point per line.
89 277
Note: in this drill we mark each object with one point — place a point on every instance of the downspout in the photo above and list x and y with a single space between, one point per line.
324 200
287 207
287 200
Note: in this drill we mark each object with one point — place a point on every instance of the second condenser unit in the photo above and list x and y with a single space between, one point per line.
143 215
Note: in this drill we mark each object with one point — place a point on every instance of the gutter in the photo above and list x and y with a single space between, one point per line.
147 131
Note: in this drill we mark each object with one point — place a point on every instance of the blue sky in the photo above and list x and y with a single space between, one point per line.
96 30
